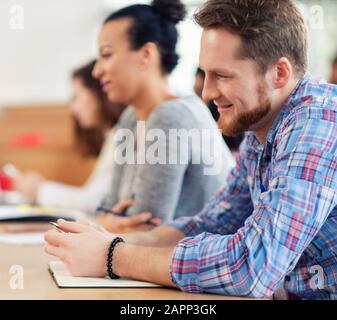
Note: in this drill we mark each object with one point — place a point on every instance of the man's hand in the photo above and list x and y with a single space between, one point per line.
83 248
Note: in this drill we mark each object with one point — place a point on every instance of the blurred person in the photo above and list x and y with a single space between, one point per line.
137 48
199 80
94 119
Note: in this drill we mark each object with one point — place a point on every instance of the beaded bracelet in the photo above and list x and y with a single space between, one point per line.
110 254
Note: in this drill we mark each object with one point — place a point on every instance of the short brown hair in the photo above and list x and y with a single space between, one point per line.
269 29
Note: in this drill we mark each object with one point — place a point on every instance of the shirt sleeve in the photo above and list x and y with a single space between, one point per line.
254 261
81 198
126 123
228 210
158 184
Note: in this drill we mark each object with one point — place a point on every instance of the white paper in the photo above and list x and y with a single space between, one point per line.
26 211
13 198
22 238
64 280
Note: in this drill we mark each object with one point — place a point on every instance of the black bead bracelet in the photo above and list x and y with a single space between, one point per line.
110 254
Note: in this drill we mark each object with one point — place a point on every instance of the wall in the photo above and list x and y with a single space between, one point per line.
322 25
55 158
58 36
36 61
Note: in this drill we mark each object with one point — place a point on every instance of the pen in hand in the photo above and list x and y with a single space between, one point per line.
120 210
54 224
153 221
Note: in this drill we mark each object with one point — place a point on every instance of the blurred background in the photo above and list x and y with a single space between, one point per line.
42 41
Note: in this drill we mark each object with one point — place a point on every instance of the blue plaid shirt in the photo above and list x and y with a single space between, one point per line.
274 225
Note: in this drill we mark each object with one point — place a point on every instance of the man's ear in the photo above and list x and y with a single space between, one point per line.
283 73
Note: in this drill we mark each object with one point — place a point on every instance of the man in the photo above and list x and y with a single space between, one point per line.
232 142
273 227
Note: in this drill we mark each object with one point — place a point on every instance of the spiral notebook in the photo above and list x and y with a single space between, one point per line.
63 279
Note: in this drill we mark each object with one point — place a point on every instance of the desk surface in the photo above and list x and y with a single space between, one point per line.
38 283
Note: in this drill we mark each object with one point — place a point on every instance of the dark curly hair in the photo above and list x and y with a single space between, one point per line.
90 141
155 23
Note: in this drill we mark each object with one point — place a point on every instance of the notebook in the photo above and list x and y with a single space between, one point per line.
63 279
29 213
23 239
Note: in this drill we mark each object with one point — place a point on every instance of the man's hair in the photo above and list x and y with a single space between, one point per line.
269 29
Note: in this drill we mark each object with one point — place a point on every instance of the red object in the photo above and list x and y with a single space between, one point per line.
28 140
5 182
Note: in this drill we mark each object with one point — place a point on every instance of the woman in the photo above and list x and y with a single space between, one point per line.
137 47
94 125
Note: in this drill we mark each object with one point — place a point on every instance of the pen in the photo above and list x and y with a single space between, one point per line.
54 224
123 214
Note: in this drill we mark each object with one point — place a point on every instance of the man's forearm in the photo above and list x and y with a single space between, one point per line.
163 236
143 263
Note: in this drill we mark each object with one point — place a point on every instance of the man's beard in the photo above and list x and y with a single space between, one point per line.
245 120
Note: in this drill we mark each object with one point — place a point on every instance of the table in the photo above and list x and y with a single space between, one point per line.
38 283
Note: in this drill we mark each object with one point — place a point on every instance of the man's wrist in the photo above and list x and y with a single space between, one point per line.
137 238
114 243
119 258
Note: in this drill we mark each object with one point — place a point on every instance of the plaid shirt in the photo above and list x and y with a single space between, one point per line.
274 225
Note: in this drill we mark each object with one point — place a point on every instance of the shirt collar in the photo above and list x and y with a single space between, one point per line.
285 110
287 107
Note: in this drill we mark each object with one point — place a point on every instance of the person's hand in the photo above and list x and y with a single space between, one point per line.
83 248
117 224
28 184
121 206
87 222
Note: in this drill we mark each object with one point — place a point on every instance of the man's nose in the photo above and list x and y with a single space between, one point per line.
210 91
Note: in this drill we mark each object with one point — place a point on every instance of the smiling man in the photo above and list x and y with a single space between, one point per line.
275 223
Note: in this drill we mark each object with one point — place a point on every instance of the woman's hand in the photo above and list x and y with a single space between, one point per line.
28 184
89 223
117 223
121 206
83 248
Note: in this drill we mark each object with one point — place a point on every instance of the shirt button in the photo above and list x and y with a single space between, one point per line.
287 278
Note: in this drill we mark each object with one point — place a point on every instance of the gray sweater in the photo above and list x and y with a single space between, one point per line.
170 190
